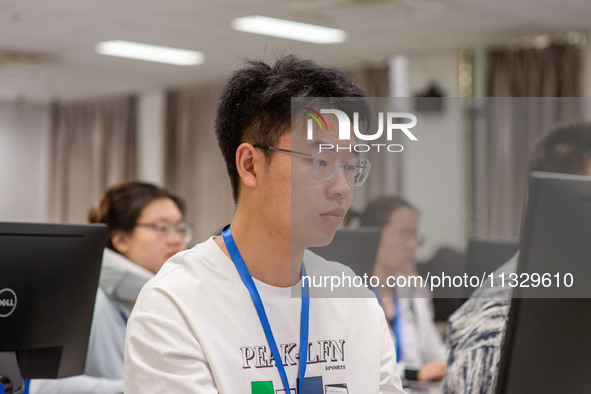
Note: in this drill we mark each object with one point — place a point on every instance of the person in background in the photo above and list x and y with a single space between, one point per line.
146 227
476 330
409 311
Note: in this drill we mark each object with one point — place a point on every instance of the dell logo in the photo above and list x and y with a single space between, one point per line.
7 302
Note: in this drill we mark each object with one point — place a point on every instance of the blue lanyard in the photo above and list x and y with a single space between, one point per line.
396 324
256 299
397 329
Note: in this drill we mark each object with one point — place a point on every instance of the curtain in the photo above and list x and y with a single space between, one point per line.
532 89
384 178
93 145
195 168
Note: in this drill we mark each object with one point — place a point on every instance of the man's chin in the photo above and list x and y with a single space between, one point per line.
321 241
314 236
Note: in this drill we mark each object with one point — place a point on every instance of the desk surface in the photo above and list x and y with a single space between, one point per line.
414 387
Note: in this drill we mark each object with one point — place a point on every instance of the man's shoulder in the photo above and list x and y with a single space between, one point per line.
480 321
194 270
486 300
199 259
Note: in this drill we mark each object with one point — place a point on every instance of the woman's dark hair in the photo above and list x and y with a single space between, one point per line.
377 212
122 204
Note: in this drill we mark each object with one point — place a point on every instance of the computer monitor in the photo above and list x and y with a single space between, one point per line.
485 256
48 281
356 248
547 346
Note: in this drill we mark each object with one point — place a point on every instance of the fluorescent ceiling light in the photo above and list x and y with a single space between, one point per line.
152 53
289 29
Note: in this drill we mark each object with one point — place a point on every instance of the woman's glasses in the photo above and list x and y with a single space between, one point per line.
168 231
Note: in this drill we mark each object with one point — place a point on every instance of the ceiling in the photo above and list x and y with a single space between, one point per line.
58 37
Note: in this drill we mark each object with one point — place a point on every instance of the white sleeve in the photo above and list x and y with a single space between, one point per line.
81 384
390 382
401 369
432 342
162 355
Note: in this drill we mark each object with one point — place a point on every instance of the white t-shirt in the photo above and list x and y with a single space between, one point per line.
194 329
421 342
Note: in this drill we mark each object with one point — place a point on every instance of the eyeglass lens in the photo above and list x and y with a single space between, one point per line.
326 164
183 229
170 231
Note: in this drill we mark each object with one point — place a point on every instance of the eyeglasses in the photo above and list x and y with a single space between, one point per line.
410 239
169 231
327 162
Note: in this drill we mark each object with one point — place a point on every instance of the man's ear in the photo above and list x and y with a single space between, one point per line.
249 163
121 241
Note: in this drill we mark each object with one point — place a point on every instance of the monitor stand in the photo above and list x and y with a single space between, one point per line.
10 374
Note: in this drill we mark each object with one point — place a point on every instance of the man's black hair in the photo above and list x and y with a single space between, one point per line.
255 105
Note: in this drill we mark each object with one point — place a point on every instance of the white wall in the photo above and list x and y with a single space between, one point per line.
433 168
150 154
440 67
433 175
24 162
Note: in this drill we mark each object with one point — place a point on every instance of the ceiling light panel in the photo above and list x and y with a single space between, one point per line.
289 29
152 53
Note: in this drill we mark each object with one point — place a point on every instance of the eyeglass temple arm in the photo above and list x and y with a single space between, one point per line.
281 150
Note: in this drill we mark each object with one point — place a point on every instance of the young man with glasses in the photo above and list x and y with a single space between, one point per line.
227 315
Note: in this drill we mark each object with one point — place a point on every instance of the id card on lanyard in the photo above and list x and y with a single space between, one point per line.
258 303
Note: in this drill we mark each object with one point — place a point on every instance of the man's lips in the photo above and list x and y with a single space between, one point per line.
335 215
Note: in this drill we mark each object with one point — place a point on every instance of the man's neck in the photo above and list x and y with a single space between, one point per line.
267 253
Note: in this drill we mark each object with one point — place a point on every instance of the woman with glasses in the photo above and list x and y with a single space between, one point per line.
409 311
145 228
